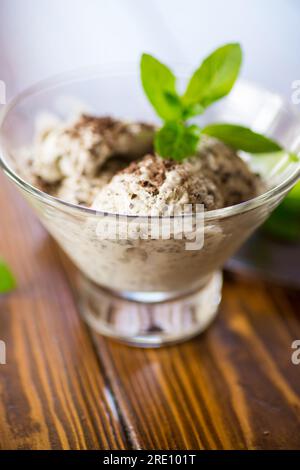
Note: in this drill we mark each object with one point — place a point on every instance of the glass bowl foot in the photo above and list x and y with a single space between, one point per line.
151 324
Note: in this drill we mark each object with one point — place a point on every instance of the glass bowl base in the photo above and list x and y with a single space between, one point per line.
151 324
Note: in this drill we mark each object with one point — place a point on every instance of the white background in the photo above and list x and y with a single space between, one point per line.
42 37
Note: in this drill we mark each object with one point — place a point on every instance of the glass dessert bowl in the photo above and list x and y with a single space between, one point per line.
140 288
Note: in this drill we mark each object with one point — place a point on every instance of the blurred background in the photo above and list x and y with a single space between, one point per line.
42 37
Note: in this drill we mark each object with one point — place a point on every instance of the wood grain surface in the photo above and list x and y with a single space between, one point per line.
64 387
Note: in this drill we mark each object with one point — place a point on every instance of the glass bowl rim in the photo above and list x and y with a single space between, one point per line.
119 69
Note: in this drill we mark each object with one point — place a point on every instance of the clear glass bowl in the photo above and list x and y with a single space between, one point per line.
147 292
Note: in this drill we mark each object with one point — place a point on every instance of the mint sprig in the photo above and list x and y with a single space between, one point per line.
178 139
7 280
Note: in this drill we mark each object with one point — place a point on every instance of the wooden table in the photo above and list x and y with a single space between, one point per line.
64 387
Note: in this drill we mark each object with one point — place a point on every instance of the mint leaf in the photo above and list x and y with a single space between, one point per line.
294 157
177 141
215 77
159 84
7 280
192 110
241 138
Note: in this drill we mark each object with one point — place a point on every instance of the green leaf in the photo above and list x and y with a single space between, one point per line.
215 77
241 138
159 84
294 194
192 110
294 157
7 280
177 141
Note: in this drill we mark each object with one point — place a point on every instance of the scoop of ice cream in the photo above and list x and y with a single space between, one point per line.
82 147
216 177
157 184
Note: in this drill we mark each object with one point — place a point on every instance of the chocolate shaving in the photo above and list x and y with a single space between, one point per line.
157 169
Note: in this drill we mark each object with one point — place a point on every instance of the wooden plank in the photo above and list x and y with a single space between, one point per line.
234 387
53 393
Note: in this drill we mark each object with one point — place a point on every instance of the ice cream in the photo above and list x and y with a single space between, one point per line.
109 165
82 147
216 178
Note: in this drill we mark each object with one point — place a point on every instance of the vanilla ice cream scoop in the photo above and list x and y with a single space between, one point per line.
216 177
159 185
82 147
